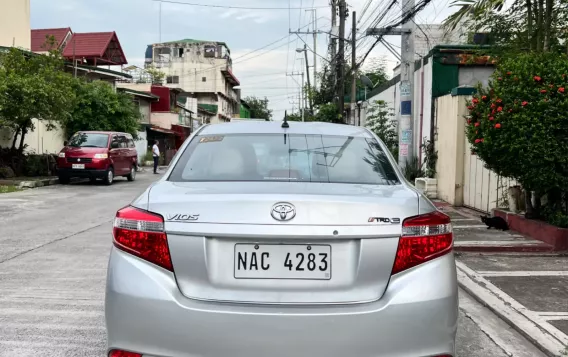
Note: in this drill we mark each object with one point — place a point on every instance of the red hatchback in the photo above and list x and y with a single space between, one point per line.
98 155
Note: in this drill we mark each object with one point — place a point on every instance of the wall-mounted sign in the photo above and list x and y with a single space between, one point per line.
405 89
406 107
406 136
404 150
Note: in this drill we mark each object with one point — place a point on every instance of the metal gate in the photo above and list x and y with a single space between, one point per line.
483 189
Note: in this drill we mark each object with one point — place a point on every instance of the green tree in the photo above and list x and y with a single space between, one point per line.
259 108
518 124
100 107
326 95
380 120
33 87
537 25
156 76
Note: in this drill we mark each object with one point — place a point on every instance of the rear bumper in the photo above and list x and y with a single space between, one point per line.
146 313
89 173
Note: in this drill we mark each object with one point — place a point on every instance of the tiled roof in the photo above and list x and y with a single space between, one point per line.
88 44
39 37
95 45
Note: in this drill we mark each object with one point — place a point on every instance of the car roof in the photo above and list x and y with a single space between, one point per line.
275 127
102 132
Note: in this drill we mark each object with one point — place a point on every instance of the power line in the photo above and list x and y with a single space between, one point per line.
404 19
234 7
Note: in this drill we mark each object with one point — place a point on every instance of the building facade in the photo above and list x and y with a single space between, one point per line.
15 30
204 70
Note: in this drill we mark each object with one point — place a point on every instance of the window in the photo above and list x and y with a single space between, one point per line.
115 144
203 79
172 80
89 140
131 143
283 157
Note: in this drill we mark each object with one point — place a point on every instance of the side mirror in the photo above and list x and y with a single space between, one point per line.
65 143
114 145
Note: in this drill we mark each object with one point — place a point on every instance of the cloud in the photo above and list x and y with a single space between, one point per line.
229 13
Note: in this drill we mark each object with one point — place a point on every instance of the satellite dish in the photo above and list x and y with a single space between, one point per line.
366 81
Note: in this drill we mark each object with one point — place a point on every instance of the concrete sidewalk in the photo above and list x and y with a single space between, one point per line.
472 235
528 291
516 277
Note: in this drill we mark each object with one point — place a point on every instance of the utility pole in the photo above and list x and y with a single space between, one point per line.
315 34
341 59
333 39
308 75
353 70
302 91
406 143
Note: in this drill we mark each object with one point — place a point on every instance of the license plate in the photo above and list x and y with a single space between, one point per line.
282 261
78 166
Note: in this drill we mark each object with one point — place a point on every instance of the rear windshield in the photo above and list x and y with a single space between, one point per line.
283 157
89 140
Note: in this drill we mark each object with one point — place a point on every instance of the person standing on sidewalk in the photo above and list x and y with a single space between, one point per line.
156 155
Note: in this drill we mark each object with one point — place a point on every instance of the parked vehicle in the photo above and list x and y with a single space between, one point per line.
98 155
232 255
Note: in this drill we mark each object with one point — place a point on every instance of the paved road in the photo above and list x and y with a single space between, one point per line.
54 243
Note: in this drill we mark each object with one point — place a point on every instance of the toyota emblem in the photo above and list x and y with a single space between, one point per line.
283 211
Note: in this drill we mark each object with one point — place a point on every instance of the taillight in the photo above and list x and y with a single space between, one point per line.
119 353
142 234
424 238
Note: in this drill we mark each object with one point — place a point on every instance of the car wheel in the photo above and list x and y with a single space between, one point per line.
132 175
64 180
109 176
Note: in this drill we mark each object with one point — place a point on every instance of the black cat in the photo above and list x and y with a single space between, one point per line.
495 222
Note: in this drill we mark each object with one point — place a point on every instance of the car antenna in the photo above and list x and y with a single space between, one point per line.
285 122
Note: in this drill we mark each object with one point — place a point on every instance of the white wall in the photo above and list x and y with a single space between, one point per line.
164 120
391 95
141 146
145 110
141 87
39 141
15 24
472 75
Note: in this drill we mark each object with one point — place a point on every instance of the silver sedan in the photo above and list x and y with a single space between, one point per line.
262 240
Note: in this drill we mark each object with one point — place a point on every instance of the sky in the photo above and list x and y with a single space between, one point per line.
261 73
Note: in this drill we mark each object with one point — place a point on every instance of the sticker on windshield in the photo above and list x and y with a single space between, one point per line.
209 139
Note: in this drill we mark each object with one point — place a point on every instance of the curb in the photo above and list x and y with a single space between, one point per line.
39 183
510 311
518 248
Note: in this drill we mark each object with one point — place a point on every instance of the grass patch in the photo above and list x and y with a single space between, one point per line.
9 189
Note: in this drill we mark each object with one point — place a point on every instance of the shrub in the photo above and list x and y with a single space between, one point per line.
518 125
6 172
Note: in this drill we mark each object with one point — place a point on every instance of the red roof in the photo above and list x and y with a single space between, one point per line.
95 48
40 36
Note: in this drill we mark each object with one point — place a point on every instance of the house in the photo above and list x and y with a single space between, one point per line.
85 53
143 101
203 69
169 118
444 79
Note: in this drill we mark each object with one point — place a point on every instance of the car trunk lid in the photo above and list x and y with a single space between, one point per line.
221 241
